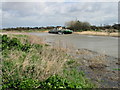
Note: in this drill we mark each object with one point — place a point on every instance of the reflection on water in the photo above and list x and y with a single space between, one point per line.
101 44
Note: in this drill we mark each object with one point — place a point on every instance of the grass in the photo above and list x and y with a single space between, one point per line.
116 69
30 30
38 66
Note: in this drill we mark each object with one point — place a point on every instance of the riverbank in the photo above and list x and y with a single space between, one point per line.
95 33
93 64
98 33
30 64
100 68
27 31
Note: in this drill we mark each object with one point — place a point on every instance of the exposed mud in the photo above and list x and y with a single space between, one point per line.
101 69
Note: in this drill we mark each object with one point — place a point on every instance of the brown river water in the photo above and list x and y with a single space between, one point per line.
101 44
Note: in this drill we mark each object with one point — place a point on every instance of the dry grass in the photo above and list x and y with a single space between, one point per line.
41 63
83 52
37 63
98 33
98 59
98 62
30 38
35 39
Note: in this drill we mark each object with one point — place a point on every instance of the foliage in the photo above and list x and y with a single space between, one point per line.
77 78
19 84
70 62
56 81
13 43
74 25
78 25
85 26
28 66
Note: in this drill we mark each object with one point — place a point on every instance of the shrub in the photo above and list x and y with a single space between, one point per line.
14 43
56 81
70 62
78 25
36 68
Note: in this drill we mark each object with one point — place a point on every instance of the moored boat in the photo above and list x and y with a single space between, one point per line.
62 31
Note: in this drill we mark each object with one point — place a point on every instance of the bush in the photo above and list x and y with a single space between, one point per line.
77 78
34 69
56 81
70 62
78 25
13 43
20 84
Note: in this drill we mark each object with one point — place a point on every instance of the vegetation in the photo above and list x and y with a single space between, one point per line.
73 25
78 25
30 29
31 65
85 26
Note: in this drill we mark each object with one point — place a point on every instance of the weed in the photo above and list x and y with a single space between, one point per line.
33 65
70 62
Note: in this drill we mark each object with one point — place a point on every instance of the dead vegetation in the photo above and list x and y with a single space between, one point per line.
42 63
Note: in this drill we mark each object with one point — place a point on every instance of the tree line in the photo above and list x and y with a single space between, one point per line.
72 25
86 26
31 28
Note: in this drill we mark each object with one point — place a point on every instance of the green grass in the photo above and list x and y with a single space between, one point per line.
71 61
28 65
77 78
116 69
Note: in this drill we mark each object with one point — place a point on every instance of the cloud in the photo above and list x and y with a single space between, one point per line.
15 14
60 0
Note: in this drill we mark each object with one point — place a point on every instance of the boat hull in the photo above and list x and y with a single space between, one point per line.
61 31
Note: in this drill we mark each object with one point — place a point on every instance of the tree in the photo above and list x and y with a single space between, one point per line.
77 25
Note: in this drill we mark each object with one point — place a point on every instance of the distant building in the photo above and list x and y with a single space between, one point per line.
59 28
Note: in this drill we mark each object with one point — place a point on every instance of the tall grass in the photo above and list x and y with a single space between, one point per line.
21 69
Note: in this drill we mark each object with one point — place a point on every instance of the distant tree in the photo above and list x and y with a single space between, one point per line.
77 25
86 26
94 27
116 26
108 27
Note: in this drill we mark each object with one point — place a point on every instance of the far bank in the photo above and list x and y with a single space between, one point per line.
113 34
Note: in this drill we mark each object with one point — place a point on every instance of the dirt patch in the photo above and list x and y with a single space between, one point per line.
101 69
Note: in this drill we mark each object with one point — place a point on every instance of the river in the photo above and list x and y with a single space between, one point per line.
101 44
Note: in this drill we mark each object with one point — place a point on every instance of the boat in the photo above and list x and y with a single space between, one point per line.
61 31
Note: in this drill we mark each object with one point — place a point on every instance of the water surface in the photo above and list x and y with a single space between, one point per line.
101 44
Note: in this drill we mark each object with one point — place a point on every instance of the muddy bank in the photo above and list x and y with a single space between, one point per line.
100 68
98 33
81 33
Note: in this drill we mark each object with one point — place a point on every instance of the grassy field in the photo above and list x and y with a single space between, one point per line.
30 63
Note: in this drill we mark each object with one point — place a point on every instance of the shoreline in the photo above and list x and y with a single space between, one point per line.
98 33
100 68
115 34
94 64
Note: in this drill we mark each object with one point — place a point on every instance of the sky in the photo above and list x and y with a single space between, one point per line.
37 14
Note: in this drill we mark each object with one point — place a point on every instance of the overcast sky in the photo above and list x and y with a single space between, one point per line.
17 14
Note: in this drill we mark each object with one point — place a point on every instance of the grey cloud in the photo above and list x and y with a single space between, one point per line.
53 13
